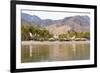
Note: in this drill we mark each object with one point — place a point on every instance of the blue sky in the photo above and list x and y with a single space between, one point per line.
52 15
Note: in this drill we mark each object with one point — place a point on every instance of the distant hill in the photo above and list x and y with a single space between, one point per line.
30 18
73 23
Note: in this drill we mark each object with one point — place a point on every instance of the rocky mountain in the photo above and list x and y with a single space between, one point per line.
73 23
30 18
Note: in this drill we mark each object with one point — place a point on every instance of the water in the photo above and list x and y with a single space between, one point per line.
55 51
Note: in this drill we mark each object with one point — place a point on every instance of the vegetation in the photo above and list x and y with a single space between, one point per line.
42 34
75 36
38 33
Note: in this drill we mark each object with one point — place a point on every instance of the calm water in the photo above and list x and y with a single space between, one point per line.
55 52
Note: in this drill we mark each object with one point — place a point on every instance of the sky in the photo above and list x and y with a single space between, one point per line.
52 14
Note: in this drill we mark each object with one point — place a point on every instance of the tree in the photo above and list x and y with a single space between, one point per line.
24 33
38 33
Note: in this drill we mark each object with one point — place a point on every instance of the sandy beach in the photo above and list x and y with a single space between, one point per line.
51 42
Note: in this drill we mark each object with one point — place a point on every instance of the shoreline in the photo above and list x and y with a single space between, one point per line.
52 42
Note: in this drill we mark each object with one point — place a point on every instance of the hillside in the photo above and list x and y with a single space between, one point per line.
73 23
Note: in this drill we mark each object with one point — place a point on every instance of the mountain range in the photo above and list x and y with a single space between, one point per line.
72 23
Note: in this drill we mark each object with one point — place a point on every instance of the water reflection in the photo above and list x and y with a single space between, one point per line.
74 49
55 52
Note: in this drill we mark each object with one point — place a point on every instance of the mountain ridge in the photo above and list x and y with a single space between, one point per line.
73 23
